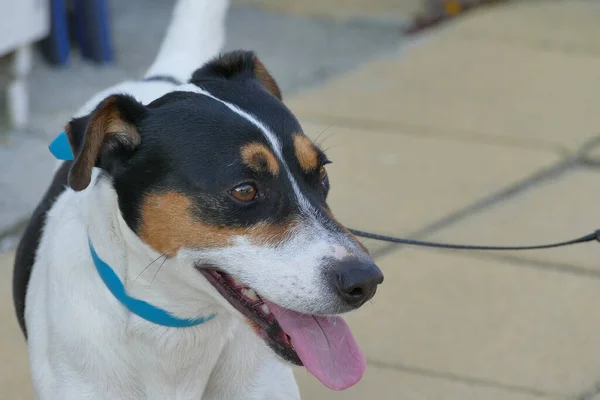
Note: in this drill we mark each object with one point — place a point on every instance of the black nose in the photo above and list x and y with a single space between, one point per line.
356 281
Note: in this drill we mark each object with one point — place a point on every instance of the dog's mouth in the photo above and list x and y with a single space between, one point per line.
323 344
247 302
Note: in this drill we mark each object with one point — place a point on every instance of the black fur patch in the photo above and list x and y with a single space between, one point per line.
236 65
28 246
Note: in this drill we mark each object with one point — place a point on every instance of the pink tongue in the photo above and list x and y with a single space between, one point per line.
325 345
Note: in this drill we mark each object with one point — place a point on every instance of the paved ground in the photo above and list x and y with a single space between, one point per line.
483 131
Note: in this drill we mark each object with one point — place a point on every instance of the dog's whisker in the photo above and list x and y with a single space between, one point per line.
257 304
146 267
322 132
332 134
331 147
156 273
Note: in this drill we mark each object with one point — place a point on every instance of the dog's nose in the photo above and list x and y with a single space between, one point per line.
356 281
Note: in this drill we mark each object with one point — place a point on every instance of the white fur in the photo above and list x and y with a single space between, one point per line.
82 342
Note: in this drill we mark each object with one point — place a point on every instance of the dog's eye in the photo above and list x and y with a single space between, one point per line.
245 192
322 173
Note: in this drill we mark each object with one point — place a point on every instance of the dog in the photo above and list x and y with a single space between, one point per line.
187 251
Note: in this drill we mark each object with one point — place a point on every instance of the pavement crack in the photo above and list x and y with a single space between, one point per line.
538 264
424 130
504 194
465 379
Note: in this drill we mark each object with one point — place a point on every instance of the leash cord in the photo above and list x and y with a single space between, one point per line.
587 238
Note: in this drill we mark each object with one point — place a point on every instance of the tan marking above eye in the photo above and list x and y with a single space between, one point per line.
258 157
305 151
168 223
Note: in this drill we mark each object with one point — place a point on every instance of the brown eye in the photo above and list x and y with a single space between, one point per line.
322 173
245 192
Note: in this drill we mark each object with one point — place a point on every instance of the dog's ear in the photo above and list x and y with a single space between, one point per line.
106 137
237 65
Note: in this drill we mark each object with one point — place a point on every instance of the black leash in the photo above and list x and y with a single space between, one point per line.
587 238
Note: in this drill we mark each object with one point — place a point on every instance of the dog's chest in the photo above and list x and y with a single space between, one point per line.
220 362
175 364
150 364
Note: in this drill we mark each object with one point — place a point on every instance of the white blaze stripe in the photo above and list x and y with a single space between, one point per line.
270 136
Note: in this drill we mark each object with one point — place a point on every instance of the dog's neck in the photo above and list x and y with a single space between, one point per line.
171 284
145 359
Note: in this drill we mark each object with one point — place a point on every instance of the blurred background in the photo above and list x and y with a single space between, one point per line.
456 120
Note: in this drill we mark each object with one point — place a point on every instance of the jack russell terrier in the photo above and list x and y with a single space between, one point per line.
187 250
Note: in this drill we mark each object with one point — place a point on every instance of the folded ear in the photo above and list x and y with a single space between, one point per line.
238 65
107 136
264 77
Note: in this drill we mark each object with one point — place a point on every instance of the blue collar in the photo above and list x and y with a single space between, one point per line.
139 307
61 149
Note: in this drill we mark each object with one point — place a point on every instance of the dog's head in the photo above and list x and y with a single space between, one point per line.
219 172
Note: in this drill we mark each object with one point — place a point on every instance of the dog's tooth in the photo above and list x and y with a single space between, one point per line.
237 282
250 294
265 309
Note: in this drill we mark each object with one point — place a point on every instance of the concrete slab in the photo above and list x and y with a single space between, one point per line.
383 10
457 87
550 212
389 384
14 364
400 183
563 26
304 52
485 320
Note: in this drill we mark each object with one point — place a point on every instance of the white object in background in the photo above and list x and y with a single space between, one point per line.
22 22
